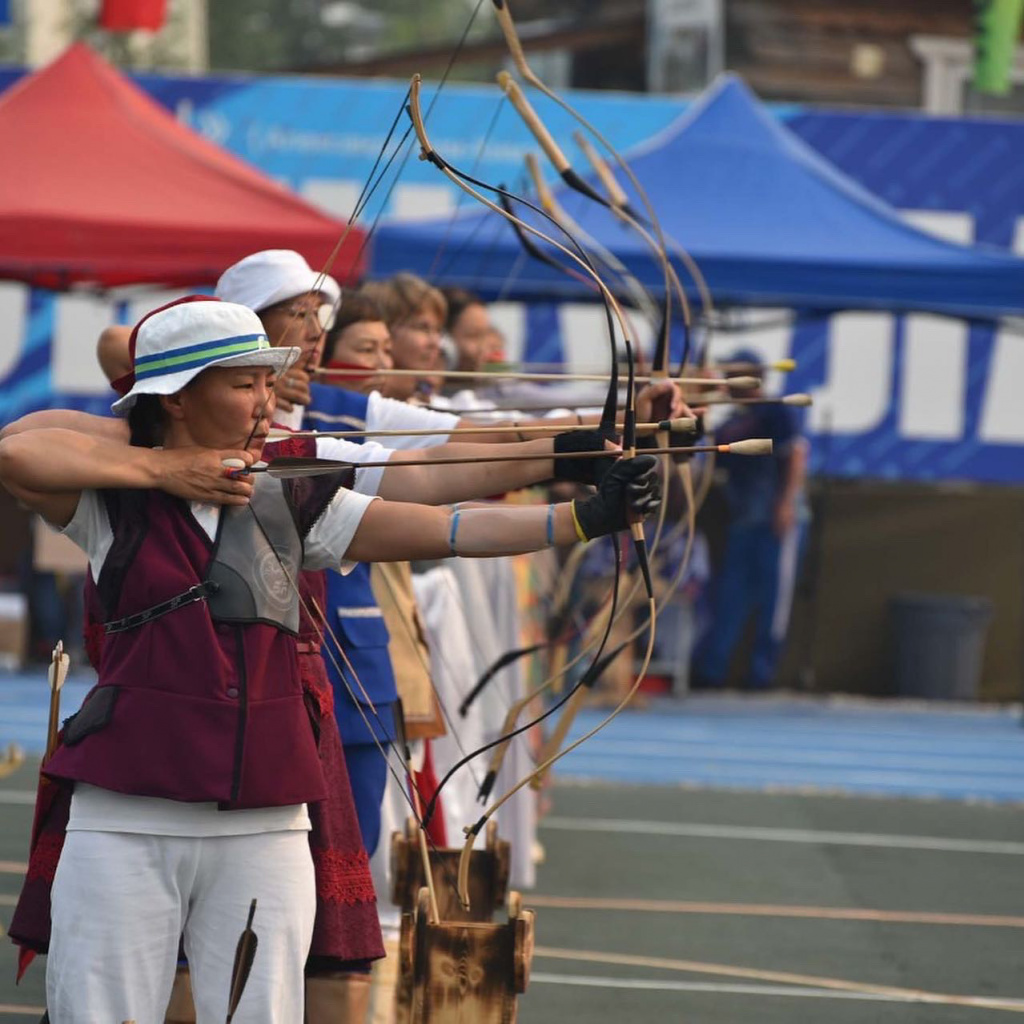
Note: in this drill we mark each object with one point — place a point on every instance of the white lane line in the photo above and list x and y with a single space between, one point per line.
811 913
8 901
589 981
783 835
17 796
22 1011
716 750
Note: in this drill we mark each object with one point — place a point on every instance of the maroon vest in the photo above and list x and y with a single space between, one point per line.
194 709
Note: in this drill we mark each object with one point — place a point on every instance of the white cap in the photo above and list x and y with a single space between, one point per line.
271 276
176 342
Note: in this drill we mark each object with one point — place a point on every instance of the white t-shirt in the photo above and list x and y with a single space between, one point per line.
101 810
389 414
325 544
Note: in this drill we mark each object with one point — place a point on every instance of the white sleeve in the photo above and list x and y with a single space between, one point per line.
332 533
388 414
291 419
367 480
90 530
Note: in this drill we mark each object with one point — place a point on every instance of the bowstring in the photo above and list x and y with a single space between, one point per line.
392 746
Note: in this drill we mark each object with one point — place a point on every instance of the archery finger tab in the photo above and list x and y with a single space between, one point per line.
751 446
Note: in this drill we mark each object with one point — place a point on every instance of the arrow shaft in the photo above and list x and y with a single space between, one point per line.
309 467
684 423
474 375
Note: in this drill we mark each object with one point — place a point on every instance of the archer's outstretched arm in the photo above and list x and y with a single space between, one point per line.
393 531
478 478
109 427
47 469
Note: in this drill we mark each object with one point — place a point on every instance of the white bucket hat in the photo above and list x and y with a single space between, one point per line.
271 276
176 342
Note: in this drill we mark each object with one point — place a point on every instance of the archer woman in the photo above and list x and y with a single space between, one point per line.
193 759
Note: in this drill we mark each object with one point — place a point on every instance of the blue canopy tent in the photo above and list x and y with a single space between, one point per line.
768 221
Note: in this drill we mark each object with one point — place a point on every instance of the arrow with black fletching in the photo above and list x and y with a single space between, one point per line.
245 953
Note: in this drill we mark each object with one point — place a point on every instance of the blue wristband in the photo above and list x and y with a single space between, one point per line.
454 530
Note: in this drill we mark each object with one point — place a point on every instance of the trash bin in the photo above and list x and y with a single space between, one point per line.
939 644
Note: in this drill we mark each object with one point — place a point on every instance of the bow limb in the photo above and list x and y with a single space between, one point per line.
324 631
561 164
620 207
473 830
557 157
508 29
462 181
618 202
640 296
612 307
561 667
410 630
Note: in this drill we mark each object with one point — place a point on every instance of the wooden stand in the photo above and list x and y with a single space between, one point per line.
13 758
488 875
463 972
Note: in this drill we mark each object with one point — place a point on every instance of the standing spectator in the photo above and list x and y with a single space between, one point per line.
767 518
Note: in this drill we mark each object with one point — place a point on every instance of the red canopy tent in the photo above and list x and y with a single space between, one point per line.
102 186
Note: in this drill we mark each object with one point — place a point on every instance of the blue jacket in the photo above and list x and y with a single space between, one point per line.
352 611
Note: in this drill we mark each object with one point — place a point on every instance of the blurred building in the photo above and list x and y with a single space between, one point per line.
866 53
882 53
40 30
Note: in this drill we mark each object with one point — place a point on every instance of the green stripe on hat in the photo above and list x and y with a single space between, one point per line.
200 355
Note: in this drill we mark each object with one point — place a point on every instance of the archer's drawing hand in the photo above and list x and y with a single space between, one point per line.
292 389
660 400
199 474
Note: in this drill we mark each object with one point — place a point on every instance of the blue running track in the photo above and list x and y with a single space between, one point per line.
725 741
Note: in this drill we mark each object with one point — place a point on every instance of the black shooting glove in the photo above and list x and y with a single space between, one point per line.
631 486
581 471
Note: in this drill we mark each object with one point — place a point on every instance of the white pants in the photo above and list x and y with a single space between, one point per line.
122 900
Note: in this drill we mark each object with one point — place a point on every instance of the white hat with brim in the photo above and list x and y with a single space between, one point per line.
174 344
266 278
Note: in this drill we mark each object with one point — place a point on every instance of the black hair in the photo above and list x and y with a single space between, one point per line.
146 422
356 307
459 299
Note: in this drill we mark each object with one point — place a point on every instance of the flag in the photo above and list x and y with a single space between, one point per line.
996 31
128 15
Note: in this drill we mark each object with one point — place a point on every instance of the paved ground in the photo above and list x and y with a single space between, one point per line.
746 879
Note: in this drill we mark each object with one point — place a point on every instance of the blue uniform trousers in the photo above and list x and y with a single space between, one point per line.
756 577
